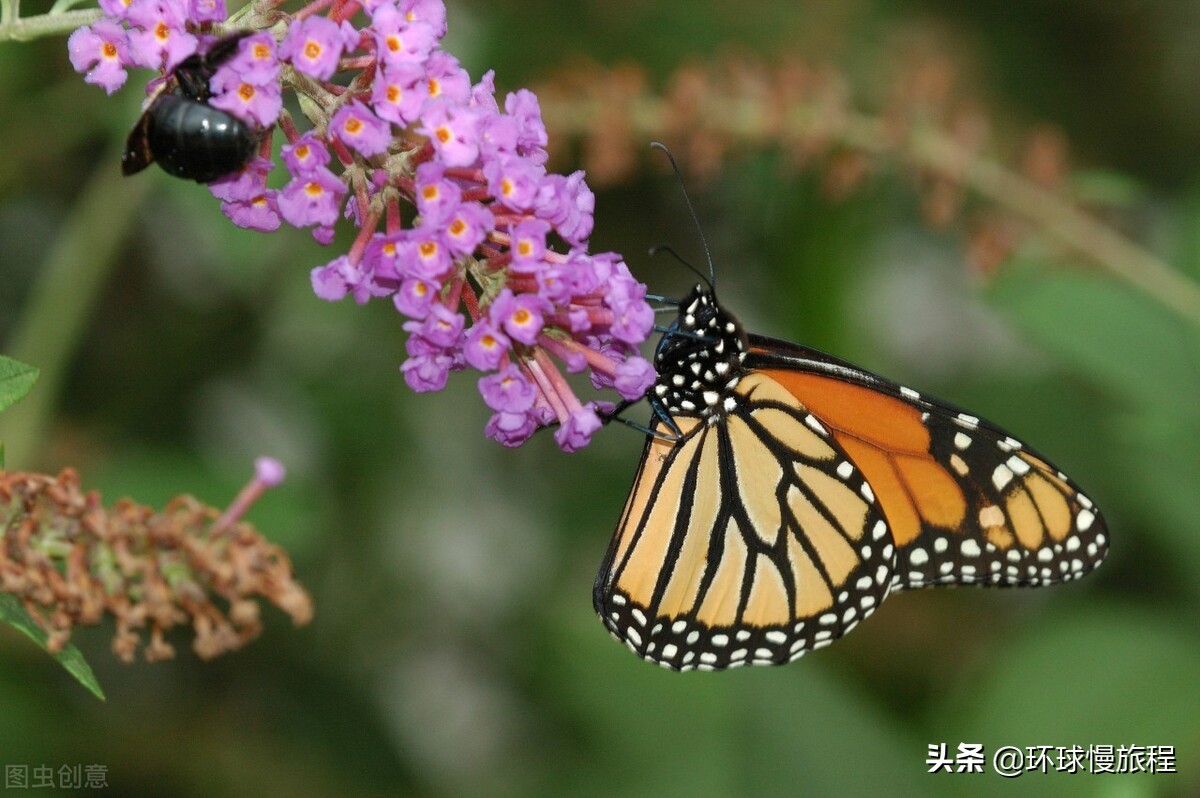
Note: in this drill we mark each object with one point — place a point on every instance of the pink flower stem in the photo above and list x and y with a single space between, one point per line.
393 215
563 349
471 300
288 127
559 384
362 62
370 223
344 10
533 370
312 8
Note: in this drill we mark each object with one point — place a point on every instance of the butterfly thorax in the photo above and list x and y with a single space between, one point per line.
699 359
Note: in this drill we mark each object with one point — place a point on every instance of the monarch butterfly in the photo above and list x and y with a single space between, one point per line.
783 494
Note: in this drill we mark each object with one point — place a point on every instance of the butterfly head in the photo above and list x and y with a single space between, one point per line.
699 358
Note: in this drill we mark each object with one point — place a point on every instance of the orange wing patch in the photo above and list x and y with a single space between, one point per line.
887 440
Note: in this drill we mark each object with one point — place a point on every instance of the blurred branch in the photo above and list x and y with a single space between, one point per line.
1062 220
72 277
739 104
17 29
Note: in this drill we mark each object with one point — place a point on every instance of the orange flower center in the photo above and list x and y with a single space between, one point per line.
457 227
428 249
443 134
313 189
108 50
246 92
312 50
353 125
521 316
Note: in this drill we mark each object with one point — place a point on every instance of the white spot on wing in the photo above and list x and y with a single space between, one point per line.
1001 476
880 530
1018 465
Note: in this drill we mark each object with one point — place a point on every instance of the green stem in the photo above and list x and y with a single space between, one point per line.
1061 220
43 25
55 317
1055 217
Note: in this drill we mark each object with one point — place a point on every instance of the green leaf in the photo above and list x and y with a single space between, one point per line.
1117 336
1103 187
1110 675
16 379
800 730
1158 485
70 657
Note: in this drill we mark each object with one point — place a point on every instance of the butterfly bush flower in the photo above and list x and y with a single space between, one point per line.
489 271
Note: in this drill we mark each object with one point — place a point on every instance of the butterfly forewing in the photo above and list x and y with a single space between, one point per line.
967 503
749 541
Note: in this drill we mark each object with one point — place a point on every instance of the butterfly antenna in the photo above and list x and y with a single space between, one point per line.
666 300
659 248
712 274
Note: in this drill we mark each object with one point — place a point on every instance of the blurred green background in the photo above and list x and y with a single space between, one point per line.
455 651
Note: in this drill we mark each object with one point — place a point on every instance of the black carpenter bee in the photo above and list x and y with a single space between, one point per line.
183 133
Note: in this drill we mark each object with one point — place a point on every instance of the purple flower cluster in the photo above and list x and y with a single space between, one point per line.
492 274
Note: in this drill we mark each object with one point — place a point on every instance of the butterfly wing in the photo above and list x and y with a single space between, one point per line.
774 527
966 502
749 539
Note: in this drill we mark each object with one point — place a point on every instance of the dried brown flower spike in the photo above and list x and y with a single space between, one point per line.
71 561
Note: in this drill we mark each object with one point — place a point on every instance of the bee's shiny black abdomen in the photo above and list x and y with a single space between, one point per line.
193 140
